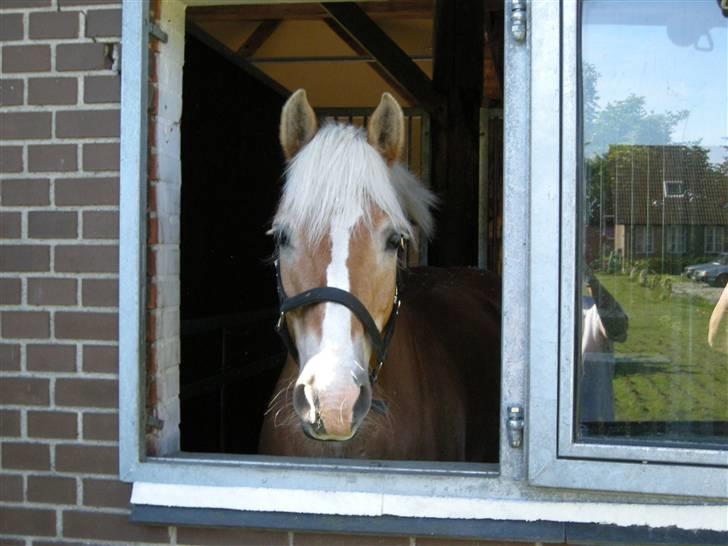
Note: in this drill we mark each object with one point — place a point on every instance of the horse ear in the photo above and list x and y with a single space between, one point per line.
385 130
298 123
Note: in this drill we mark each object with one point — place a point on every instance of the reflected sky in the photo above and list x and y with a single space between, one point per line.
672 52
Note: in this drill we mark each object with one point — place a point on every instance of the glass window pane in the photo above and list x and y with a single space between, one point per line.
653 362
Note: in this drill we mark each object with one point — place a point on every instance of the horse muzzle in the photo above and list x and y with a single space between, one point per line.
331 402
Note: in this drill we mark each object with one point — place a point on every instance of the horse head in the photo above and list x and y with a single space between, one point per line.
346 208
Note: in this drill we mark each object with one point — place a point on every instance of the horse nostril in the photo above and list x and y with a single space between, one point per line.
305 403
362 404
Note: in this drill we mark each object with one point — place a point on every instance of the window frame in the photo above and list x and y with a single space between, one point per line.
442 491
556 459
676 239
717 239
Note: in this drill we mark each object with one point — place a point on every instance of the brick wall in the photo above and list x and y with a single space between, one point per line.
59 163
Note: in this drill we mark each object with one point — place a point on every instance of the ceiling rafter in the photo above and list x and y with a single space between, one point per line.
258 37
217 46
371 39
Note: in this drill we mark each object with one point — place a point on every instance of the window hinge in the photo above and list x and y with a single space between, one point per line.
154 423
518 19
157 32
515 425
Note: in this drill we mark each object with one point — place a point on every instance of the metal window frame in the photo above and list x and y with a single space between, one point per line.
555 458
443 491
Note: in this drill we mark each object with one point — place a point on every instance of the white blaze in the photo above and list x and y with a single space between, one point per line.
324 368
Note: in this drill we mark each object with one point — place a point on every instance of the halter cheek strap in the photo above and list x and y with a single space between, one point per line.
379 341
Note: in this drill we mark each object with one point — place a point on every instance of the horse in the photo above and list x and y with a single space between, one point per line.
366 377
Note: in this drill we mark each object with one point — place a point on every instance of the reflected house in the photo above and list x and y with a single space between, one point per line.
667 204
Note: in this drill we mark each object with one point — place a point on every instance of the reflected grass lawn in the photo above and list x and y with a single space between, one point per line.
666 371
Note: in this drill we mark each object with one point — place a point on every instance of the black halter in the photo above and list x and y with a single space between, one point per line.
380 342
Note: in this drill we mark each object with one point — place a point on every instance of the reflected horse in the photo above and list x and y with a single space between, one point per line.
366 377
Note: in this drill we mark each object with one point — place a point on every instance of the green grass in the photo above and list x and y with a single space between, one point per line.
666 371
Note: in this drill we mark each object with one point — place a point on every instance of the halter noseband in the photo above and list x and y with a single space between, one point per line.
379 341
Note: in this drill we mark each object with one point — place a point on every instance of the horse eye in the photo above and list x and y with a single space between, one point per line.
282 239
394 241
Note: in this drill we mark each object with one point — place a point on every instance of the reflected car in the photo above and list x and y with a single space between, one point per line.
715 272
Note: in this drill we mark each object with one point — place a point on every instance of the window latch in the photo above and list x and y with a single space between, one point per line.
156 32
515 425
518 19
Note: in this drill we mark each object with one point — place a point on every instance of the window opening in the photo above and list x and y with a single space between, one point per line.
240 65
674 188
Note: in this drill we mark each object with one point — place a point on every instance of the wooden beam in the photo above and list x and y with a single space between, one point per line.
359 50
258 37
394 9
494 44
458 76
395 62
210 41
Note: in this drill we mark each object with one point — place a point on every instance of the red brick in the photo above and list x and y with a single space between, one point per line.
116 527
26 456
25 324
11 27
45 291
82 325
100 359
9 225
15 4
25 125
9 423
100 225
52 90
26 58
52 424
81 57
27 521
51 358
101 157
24 192
11 92
51 489
53 24
10 291
321 539
86 459
11 159
52 225
52 158
87 259
87 123
9 357
107 493
24 258
101 89
87 191
229 537
94 393
11 488
101 426
103 23
100 293
25 391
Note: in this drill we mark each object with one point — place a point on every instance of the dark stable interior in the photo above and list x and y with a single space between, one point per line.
232 167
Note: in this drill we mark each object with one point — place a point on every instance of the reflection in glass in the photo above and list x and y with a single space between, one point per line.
654 238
